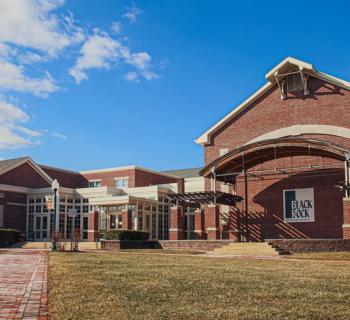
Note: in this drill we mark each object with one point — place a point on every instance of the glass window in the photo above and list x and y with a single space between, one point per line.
77 209
31 209
31 200
85 209
85 200
62 208
62 199
38 200
112 221
121 182
38 209
77 200
70 200
94 183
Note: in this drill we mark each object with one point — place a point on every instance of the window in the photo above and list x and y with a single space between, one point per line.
77 209
85 209
38 209
85 200
77 200
62 208
31 209
62 199
31 200
121 183
70 200
94 183
38 200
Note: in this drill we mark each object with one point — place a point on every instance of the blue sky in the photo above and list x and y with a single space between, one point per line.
89 84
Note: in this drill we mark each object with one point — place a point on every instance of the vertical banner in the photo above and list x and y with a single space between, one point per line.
299 205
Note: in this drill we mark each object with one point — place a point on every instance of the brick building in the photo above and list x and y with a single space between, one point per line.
286 151
90 202
277 166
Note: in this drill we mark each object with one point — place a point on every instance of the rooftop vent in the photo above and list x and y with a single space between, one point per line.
294 82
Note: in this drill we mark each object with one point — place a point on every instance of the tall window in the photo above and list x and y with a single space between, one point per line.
94 183
121 183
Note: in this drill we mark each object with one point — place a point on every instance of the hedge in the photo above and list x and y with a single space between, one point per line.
130 235
9 236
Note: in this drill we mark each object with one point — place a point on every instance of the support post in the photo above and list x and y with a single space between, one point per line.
199 224
176 223
93 227
126 219
246 209
346 218
212 220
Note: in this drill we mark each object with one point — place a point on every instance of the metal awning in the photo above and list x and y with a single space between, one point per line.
206 197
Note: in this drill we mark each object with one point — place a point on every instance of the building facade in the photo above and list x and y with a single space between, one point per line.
286 151
90 202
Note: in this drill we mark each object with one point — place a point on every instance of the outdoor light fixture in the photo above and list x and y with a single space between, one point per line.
54 186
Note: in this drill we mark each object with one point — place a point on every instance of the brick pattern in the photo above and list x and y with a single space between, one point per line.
14 215
309 245
67 179
93 231
126 220
212 220
24 176
137 178
327 104
346 218
176 223
23 284
199 224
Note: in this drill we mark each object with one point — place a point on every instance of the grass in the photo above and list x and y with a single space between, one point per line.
141 286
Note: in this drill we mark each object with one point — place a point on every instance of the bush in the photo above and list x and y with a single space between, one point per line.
130 235
9 236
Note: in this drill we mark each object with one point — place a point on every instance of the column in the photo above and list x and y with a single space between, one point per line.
176 223
93 227
126 219
212 220
199 224
346 218
234 232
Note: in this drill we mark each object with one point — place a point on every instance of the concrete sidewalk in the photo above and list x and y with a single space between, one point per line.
23 284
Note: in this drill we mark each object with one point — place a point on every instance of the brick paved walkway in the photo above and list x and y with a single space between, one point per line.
23 284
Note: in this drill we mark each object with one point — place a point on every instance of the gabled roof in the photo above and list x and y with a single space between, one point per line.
283 67
185 173
10 164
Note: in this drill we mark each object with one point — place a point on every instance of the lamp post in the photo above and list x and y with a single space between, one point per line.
54 186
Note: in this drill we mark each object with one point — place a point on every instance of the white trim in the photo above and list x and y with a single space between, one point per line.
300 129
6 187
309 69
346 225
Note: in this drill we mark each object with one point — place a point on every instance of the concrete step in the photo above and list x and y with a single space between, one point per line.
247 249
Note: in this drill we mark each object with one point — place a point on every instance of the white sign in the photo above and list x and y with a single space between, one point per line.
299 205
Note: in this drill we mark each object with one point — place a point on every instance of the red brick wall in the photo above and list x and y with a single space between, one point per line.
14 216
67 179
24 176
137 178
326 105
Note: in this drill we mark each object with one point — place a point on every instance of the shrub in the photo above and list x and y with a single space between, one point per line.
130 235
9 236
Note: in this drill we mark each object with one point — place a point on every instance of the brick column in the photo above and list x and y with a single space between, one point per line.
212 219
234 232
126 219
93 227
199 224
346 218
176 223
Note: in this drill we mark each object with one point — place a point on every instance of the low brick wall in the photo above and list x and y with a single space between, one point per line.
196 245
311 245
116 245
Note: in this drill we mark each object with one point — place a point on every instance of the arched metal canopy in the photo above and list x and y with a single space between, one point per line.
248 156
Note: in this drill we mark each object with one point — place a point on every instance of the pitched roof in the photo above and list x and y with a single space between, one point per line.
7 165
185 173
282 67
4 164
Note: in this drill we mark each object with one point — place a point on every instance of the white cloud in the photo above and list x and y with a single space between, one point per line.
132 13
31 57
12 77
32 24
100 51
59 135
12 132
132 76
97 52
116 27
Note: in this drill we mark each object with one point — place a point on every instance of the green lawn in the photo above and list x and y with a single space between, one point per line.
141 286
